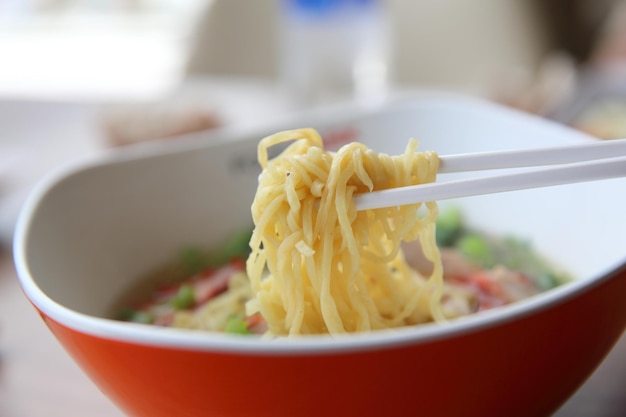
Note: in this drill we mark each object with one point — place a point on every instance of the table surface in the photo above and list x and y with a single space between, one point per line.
37 377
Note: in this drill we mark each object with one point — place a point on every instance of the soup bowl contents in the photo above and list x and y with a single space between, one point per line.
208 289
293 285
89 235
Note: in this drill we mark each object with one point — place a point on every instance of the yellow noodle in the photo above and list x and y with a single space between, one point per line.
318 265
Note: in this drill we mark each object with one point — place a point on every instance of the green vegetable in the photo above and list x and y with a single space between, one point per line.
192 260
449 227
476 248
547 280
238 245
185 298
136 316
519 255
236 325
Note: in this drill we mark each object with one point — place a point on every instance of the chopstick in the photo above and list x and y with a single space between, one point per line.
574 163
532 157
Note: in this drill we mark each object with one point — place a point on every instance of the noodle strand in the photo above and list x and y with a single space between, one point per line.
320 266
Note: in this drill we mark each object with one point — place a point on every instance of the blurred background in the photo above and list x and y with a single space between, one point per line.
78 77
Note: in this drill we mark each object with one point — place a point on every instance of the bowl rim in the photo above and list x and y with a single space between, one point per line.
193 340
182 339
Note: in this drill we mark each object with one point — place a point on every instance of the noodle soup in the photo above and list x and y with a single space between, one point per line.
314 264
208 290
87 234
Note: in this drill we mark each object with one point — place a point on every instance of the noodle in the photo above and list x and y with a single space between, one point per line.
316 265
330 268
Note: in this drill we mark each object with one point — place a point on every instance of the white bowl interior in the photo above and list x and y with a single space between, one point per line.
87 233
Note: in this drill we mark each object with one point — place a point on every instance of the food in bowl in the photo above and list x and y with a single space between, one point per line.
319 266
331 268
208 290
89 231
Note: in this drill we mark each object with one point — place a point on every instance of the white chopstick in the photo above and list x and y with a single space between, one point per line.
532 157
591 162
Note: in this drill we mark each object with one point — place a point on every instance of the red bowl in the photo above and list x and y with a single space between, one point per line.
89 230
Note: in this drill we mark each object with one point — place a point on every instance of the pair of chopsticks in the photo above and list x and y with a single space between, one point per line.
571 164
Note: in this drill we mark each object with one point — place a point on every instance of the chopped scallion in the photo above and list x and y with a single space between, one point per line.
184 298
136 316
236 325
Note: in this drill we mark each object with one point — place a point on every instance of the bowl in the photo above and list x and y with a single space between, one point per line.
91 229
